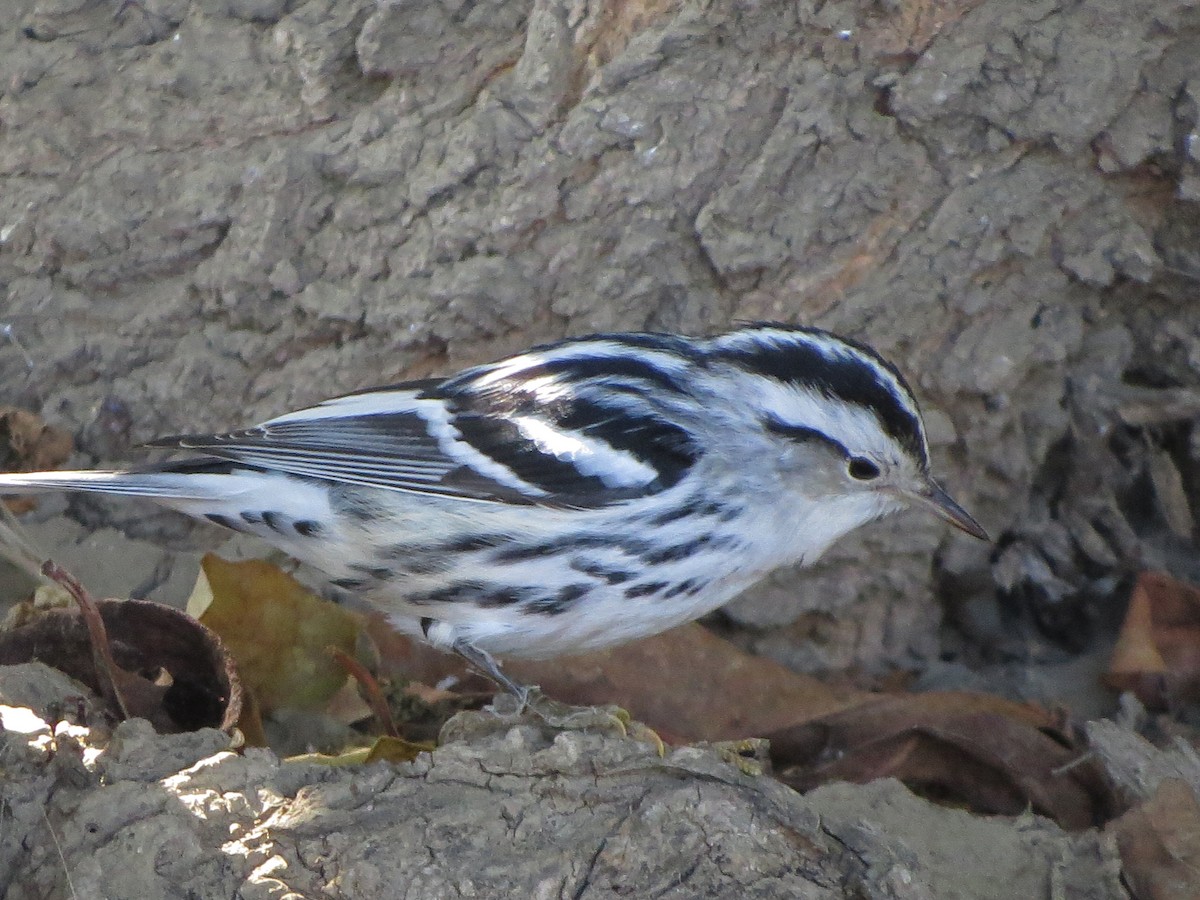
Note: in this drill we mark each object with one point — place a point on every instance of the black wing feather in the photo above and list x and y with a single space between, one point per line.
461 438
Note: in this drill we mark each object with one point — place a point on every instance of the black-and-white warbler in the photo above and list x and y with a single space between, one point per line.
578 495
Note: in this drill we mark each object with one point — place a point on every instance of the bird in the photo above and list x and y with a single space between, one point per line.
574 496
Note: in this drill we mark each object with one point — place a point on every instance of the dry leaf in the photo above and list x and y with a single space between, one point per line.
278 631
687 684
391 749
975 750
1170 491
1135 650
1157 655
27 444
347 706
1160 844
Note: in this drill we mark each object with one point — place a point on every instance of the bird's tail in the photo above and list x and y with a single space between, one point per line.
192 493
273 505
165 483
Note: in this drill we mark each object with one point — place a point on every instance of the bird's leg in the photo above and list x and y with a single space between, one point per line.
529 698
485 664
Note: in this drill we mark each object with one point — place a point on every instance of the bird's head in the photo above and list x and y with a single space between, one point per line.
842 423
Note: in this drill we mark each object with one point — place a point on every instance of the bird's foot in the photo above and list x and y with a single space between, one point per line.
516 700
565 717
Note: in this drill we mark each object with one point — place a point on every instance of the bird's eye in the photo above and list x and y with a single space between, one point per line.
862 469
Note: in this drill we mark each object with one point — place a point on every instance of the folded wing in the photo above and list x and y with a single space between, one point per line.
570 438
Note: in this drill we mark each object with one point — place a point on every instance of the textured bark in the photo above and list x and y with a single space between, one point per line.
502 809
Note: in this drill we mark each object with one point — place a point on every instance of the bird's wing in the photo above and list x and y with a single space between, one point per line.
512 439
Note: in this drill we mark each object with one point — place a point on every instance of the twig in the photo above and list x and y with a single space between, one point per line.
1073 764
106 666
375 698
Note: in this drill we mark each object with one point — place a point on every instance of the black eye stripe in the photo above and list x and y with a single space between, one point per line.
858 467
802 434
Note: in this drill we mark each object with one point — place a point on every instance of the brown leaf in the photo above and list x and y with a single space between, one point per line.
1159 843
687 684
1157 655
278 631
27 444
975 750
1136 650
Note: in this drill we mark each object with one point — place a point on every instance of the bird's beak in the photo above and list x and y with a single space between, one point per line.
936 499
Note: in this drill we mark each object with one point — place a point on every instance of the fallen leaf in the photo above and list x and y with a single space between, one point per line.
385 748
986 753
347 705
394 749
1159 842
27 444
276 629
1157 655
687 684
1136 650
1170 491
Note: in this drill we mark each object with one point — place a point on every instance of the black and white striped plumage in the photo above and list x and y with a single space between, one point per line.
578 495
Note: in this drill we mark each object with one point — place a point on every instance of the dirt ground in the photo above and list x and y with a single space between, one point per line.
214 211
